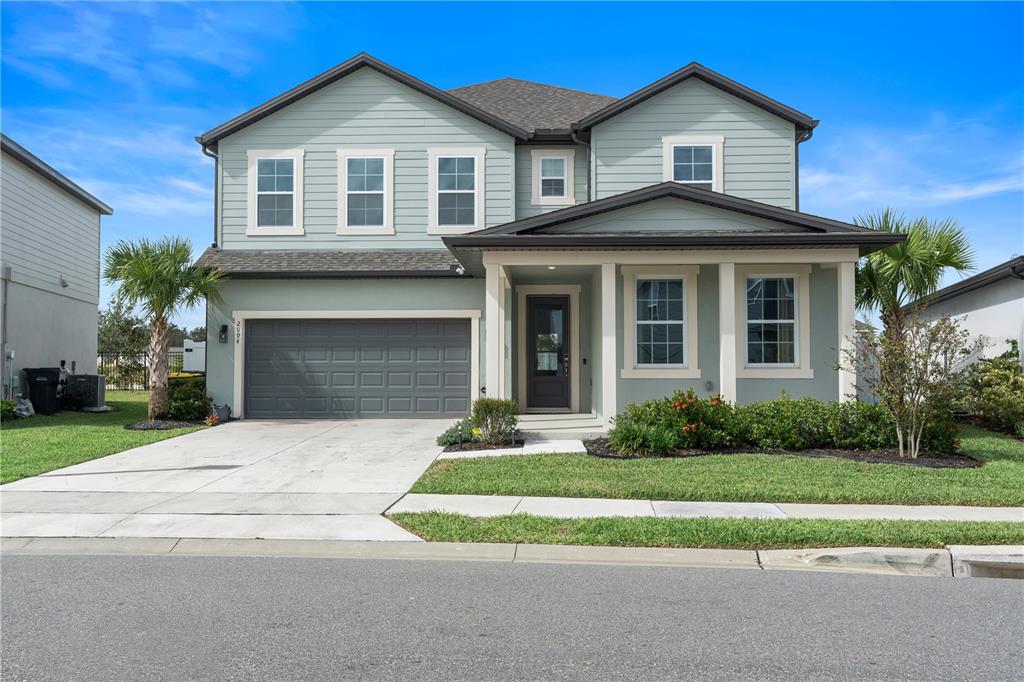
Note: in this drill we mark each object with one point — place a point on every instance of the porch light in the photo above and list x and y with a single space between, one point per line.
551 267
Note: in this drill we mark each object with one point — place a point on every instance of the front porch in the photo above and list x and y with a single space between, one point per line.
568 335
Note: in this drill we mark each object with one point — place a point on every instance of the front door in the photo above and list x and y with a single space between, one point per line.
547 352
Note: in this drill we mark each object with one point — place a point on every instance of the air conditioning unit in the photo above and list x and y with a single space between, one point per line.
92 388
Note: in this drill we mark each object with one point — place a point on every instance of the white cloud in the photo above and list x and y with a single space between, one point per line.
941 161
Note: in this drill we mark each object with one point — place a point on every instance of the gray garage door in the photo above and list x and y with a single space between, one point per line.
356 368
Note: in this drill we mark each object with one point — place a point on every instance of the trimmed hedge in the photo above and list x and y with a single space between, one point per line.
661 426
187 399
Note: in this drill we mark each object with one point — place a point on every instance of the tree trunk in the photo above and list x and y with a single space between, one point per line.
158 400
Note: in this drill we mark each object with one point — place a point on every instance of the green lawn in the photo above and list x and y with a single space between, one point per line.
41 443
704 532
744 478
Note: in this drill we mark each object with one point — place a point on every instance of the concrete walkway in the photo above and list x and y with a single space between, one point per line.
298 479
585 508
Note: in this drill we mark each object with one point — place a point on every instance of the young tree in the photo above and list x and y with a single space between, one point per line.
904 273
916 363
120 331
159 277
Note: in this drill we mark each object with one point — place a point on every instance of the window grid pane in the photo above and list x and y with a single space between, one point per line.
693 165
660 322
365 191
771 321
275 184
456 190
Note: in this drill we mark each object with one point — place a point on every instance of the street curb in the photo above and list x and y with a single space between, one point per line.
958 560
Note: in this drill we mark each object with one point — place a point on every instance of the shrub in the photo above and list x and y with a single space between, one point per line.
783 424
496 419
994 388
187 399
7 409
456 434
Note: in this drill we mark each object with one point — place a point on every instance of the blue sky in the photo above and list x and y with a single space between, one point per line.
921 105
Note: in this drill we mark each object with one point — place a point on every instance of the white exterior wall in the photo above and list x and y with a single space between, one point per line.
994 311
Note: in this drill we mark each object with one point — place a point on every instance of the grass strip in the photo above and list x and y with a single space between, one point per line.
42 443
707 532
743 478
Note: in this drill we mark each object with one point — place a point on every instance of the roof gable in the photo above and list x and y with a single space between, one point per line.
48 172
362 60
694 70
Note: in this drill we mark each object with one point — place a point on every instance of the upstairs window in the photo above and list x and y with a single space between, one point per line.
275 193
365 191
456 186
694 160
693 165
771 321
552 176
274 184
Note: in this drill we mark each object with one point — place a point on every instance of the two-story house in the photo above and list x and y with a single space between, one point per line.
396 250
50 247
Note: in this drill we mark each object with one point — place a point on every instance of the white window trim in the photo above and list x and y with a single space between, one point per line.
690 369
801 275
716 142
479 154
254 155
388 228
239 318
569 198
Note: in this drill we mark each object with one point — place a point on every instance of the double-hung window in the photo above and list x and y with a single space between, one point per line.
365 191
275 192
694 160
553 177
771 321
456 186
660 322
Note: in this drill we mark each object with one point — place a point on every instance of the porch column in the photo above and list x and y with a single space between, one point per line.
847 306
727 331
609 359
492 332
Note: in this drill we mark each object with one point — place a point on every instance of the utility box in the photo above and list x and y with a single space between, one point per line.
195 356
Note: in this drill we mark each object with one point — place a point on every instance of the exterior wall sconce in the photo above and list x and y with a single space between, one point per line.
222 335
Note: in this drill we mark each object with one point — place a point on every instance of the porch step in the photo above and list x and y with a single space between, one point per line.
558 426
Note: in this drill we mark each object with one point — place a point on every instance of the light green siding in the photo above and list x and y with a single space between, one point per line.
668 215
326 295
364 109
524 181
759 151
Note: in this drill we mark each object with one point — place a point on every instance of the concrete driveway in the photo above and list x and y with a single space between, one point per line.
287 479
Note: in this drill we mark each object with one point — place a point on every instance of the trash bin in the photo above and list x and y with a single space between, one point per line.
43 383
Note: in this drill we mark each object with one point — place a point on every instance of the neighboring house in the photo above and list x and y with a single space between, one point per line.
397 250
50 247
990 305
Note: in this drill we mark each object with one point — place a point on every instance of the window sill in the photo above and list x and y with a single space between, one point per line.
366 231
654 373
452 229
553 201
774 373
273 231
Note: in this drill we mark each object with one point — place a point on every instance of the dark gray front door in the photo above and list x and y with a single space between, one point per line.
547 348
356 368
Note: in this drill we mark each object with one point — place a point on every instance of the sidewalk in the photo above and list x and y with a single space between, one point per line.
581 507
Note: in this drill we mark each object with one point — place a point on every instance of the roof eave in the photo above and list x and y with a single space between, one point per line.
1012 268
865 242
46 171
340 71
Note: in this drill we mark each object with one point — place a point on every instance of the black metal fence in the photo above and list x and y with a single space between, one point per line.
131 372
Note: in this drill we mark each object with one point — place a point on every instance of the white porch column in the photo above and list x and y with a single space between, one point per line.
609 359
727 331
847 306
492 332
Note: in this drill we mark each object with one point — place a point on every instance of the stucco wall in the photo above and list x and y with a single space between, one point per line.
995 312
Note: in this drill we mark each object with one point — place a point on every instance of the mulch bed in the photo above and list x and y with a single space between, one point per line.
160 425
599 447
465 447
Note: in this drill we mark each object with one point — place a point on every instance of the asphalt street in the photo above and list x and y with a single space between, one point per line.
170 618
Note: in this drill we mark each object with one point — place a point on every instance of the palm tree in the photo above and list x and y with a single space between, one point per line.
904 273
159 277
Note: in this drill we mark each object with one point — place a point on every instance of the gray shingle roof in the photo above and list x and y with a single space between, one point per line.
532 106
241 263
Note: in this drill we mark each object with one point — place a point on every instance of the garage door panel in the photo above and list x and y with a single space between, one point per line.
357 368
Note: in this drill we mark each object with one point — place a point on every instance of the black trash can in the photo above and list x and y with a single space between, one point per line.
43 383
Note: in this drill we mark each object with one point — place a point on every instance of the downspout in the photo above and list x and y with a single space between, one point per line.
216 186
590 180
801 136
